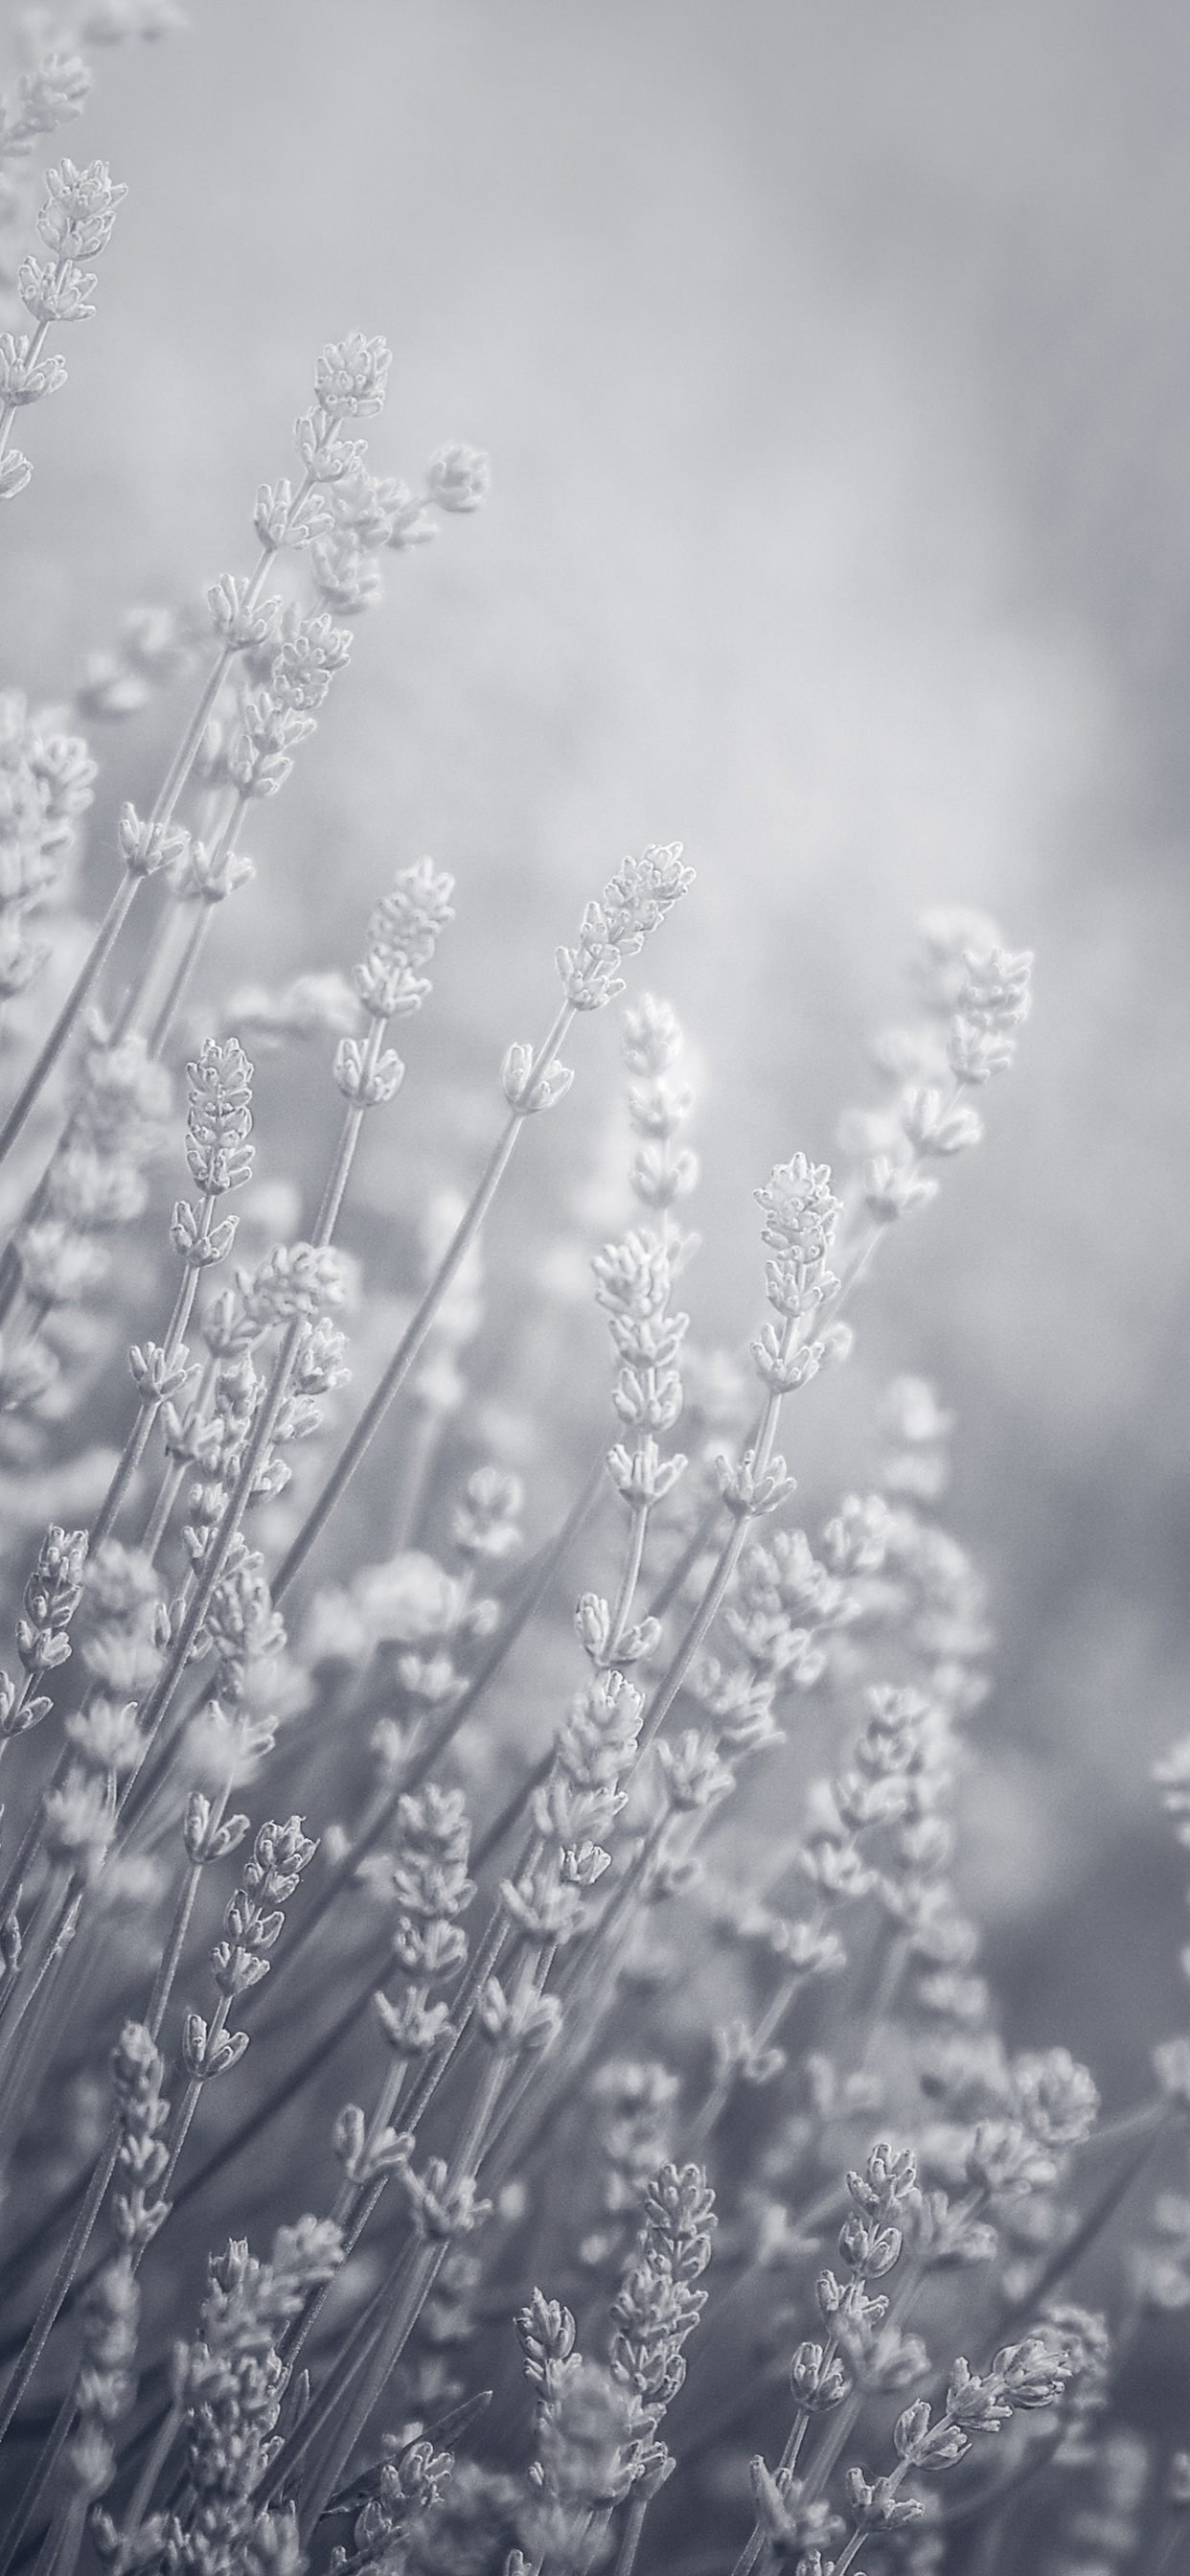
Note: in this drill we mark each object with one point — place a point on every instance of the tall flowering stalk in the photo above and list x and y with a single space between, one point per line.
634 903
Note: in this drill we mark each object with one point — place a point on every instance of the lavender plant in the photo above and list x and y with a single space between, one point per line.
650 2063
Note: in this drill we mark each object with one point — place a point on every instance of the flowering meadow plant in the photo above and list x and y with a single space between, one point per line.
437 2144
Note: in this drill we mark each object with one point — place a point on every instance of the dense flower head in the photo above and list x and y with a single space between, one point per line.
219 1120
80 209
458 478
350 377
50 94
633 905
297 1280
309 653
801 1214
1056 2098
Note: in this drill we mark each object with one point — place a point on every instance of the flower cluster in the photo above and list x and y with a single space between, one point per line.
594 1753
343 513
252 1925
218 1125
425 1875
973 996
52 1595
633 1284
633 905
390 980
229 2383
800 1220
75 223
782 1605
658 2305
591 2442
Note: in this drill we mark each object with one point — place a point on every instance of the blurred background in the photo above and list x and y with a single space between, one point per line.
832 360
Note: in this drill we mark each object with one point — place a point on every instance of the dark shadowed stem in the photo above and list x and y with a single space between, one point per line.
59 2550
37 2487
301 2073
360 1440
72 2255
630 2537
171 1956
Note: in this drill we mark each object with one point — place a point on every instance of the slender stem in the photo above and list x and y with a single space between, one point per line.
60 2548
150 1406
171 1956
88 975
629 1579
10 1259
630 2538
360 1440
172 1479
728 1559
142 2493
175 990
414 1466
1174 2547
349 1135
72 2254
